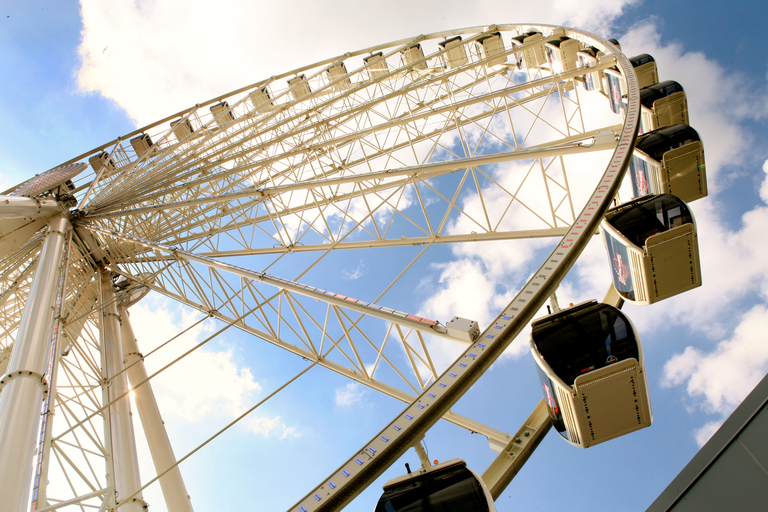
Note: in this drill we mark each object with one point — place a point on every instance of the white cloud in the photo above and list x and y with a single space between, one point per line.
719 380
155 58
271 427
204 384
703 434
350 395
354 273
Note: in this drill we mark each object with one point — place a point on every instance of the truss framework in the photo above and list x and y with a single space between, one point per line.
243 214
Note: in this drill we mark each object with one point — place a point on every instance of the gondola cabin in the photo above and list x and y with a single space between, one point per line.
645 69
448 486
102 160
669 160
339 77
376 65
534 54
591 368
562 54
588 58
454 52
141 144
261 99
663 104
492 49
653 249
222 114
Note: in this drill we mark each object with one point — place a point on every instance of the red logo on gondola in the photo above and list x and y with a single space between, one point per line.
550 401
642 183
621 269
616 94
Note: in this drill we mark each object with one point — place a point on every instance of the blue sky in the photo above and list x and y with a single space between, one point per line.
76 75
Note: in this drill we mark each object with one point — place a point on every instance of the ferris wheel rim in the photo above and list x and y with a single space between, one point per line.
622 145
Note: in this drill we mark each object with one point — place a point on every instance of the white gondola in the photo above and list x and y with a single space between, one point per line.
222 114
588 57
669 160
182 128
645 69
376 65
413 57
299 86
663 104
102 160
615 87
446 486
141 144
455 54
591 368
338 76
492 48
261 99
534 55
653 249
562 54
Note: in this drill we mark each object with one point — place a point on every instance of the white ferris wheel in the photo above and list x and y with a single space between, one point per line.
246 206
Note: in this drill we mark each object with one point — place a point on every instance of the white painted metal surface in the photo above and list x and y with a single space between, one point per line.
122 449
24 383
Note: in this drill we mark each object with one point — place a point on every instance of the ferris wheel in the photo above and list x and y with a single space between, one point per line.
247 207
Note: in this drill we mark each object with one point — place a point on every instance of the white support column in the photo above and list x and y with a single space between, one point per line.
40 483
29 208
172 484
124 459
24 384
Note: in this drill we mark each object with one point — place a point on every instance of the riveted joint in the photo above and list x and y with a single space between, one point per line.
25 373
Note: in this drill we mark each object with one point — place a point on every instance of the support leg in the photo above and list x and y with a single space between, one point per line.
124 458
172 484
24 384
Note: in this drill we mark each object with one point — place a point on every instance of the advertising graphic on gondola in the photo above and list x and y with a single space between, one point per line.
614 92
621 270
554 408
622 277
638 170
589 80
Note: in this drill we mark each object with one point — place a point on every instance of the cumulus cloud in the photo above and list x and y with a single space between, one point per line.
154 58
350 395
271 427
354 273
703 434
228 387
719 380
